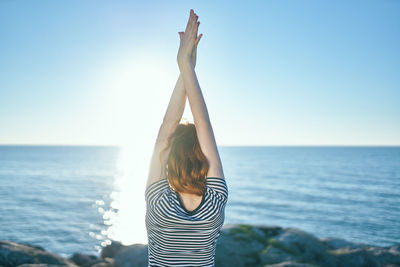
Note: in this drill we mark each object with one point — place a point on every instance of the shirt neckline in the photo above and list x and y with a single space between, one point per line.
196 209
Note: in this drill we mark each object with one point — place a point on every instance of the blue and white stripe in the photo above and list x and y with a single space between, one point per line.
177 237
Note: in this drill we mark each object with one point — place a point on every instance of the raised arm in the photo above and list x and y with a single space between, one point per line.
171 119
198 106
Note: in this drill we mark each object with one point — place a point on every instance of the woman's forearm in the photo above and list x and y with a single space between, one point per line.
177 103
205 132
175 109
194 94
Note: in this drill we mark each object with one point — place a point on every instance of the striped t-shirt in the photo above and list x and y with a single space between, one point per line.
177 237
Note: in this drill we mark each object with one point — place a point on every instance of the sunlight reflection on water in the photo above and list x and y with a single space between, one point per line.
126 217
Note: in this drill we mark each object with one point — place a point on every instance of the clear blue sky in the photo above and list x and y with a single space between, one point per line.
272 72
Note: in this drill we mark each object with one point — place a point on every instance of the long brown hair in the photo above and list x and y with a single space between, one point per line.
187 166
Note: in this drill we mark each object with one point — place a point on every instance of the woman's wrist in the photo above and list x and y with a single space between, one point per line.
183 59
185 64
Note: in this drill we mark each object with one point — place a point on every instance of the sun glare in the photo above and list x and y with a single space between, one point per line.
126 224
138 94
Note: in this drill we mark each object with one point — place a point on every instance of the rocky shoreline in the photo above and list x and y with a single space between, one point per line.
238 245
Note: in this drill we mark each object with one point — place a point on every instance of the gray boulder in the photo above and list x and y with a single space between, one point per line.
241 245
289 264
14 254
367 256
131 256
273 255
395 249
354 257
335 243
111 250
84 260
305 247
384 256
38 265
107 262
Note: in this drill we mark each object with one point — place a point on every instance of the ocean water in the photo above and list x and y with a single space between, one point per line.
75 199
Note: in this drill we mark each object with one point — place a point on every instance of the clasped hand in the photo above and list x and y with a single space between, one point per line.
188 41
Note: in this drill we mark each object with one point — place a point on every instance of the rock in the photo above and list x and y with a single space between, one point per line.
107 262
238 245
395 249
84 260
131 256
274 255
305 247
384 256
103 264
289 264
241 245
354 257
32 245
14 254
111 250
335 243
367 256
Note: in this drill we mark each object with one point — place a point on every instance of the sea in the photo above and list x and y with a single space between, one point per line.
70 199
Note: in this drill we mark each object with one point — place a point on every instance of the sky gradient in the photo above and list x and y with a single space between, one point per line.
272 72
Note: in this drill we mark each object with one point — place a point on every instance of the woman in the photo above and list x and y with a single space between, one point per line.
186 192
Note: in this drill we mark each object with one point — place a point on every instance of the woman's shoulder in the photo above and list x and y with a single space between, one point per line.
155 188
216 181
218 185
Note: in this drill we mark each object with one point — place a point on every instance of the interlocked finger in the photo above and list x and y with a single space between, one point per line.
189 24
193 22
192 26
196 29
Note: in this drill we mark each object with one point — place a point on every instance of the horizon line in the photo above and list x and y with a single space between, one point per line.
226 145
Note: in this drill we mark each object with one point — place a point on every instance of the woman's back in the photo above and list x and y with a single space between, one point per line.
189 202
178 237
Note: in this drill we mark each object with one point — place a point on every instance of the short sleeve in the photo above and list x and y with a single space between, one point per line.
154 191
219 186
